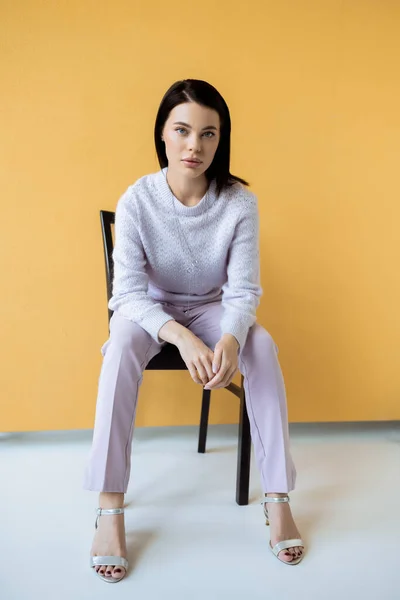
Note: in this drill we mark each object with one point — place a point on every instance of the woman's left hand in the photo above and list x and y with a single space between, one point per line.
225 362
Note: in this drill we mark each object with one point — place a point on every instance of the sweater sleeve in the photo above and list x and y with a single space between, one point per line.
242 291
130 282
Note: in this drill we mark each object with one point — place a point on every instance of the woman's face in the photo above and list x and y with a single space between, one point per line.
191 131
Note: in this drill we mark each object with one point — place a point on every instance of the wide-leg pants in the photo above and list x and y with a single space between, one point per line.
126 353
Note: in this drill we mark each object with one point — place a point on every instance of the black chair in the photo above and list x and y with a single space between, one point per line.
169 359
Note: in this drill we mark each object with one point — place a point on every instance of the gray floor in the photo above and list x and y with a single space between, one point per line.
187 538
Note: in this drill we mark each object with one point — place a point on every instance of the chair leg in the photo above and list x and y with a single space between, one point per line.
205 410
244 453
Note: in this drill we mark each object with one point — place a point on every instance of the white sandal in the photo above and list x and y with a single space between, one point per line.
113 561
285 543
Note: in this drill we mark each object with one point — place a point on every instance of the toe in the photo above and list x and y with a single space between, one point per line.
285 555
109 571
118 572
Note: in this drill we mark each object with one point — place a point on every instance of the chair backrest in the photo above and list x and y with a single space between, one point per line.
107 219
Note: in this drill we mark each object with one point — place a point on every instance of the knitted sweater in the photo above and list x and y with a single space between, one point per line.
152 261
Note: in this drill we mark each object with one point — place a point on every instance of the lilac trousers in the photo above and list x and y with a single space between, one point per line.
126 353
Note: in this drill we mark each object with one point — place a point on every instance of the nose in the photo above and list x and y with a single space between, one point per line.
194 144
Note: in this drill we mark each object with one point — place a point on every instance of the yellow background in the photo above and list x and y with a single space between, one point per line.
314 93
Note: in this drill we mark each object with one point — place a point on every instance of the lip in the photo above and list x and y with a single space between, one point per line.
191 160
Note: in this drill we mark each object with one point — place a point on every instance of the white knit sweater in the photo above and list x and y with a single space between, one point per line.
151 260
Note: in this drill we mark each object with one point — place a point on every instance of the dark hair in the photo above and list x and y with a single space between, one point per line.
203 93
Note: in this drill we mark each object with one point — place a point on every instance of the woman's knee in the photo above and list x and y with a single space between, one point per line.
126 335
261 340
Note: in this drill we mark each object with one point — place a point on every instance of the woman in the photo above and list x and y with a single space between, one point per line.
186 271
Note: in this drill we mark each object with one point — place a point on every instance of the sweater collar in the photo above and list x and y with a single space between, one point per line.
167 196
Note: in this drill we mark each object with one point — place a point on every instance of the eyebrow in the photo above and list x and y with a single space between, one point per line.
186 125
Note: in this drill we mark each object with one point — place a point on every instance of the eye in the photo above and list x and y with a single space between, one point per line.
182 129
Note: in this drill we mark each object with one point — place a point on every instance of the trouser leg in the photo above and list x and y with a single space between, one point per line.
126 354
267 409
265 398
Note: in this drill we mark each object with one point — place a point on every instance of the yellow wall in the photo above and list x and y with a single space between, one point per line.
314 93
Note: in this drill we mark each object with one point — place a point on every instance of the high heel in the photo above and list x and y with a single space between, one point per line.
113 561
285 543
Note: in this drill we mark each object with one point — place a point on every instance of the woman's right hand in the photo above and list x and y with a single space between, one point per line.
197 356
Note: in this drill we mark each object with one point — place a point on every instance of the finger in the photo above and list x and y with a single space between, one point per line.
225 380
223 368
207 364
193 374
214 383
217 360
223 384
201 372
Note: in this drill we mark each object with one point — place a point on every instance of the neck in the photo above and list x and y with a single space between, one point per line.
187 190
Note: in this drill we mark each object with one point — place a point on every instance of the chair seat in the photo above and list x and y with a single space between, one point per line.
168 359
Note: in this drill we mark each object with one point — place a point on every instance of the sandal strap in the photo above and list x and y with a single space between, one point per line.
286 544
271 499
108 511
112 561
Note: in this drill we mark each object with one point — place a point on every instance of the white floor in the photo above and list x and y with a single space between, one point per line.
187 537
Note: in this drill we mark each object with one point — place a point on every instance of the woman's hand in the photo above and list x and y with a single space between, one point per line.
225 362
197 356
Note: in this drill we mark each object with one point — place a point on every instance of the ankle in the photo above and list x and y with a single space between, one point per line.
276 494
111 500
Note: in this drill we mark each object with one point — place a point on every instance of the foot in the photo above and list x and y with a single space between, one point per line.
109 540
283 527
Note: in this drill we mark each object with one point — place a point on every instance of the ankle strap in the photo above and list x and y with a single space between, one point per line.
107 511
110 511
271 499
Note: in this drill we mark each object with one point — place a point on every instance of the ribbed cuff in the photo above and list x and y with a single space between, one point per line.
153 321
235 326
